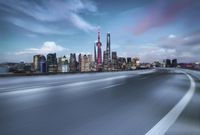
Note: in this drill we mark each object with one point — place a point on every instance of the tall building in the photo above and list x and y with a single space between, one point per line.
43 64
136 63
85 62
94 63
52 62
121 63
39 63
106 56
72 62
174 63
89 58
128 60
168 63
63 65
99 54
95 53
105 61
129 63
108 45
79 61
114 61
36 63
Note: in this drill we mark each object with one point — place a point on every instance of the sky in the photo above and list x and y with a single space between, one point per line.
152 30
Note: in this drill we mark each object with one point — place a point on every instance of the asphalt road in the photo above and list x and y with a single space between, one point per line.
152 102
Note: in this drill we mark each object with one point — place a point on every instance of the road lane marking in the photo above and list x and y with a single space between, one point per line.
110 86
31 89
74 77
6 90
97 81
169 119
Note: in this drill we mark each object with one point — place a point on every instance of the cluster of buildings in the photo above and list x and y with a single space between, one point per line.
166 63
109 61
106 60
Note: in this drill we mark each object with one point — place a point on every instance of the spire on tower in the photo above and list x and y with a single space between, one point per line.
98 36
95 57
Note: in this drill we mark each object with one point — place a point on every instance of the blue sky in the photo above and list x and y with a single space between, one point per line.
149 29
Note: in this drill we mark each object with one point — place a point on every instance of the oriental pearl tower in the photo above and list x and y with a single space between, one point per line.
99 54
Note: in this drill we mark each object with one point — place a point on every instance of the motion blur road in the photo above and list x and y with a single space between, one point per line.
152 102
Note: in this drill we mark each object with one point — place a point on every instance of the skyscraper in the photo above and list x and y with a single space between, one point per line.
108 46
105 62
73 62
63 65
52 62
95 53
36 63
39 63
43 65
168 63
85 62
129 63
99 57
114 61
51 59
106 55
121 63
174 63
79 62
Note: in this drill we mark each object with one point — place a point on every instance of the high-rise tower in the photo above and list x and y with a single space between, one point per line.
72 62
107 55
95 53
108 46
52 65
99 55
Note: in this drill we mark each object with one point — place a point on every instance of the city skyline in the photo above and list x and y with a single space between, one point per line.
83 62
149 29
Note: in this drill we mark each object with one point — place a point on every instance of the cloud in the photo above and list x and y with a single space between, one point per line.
172 36
189 40
148 52
36 27
154 53
41 15
82 24
47 47
78 5
161 13
186 46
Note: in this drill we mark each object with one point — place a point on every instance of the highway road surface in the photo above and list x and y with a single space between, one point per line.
151 102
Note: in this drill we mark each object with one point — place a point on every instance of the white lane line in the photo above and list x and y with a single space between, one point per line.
97 81
31 89
110 86
169 119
